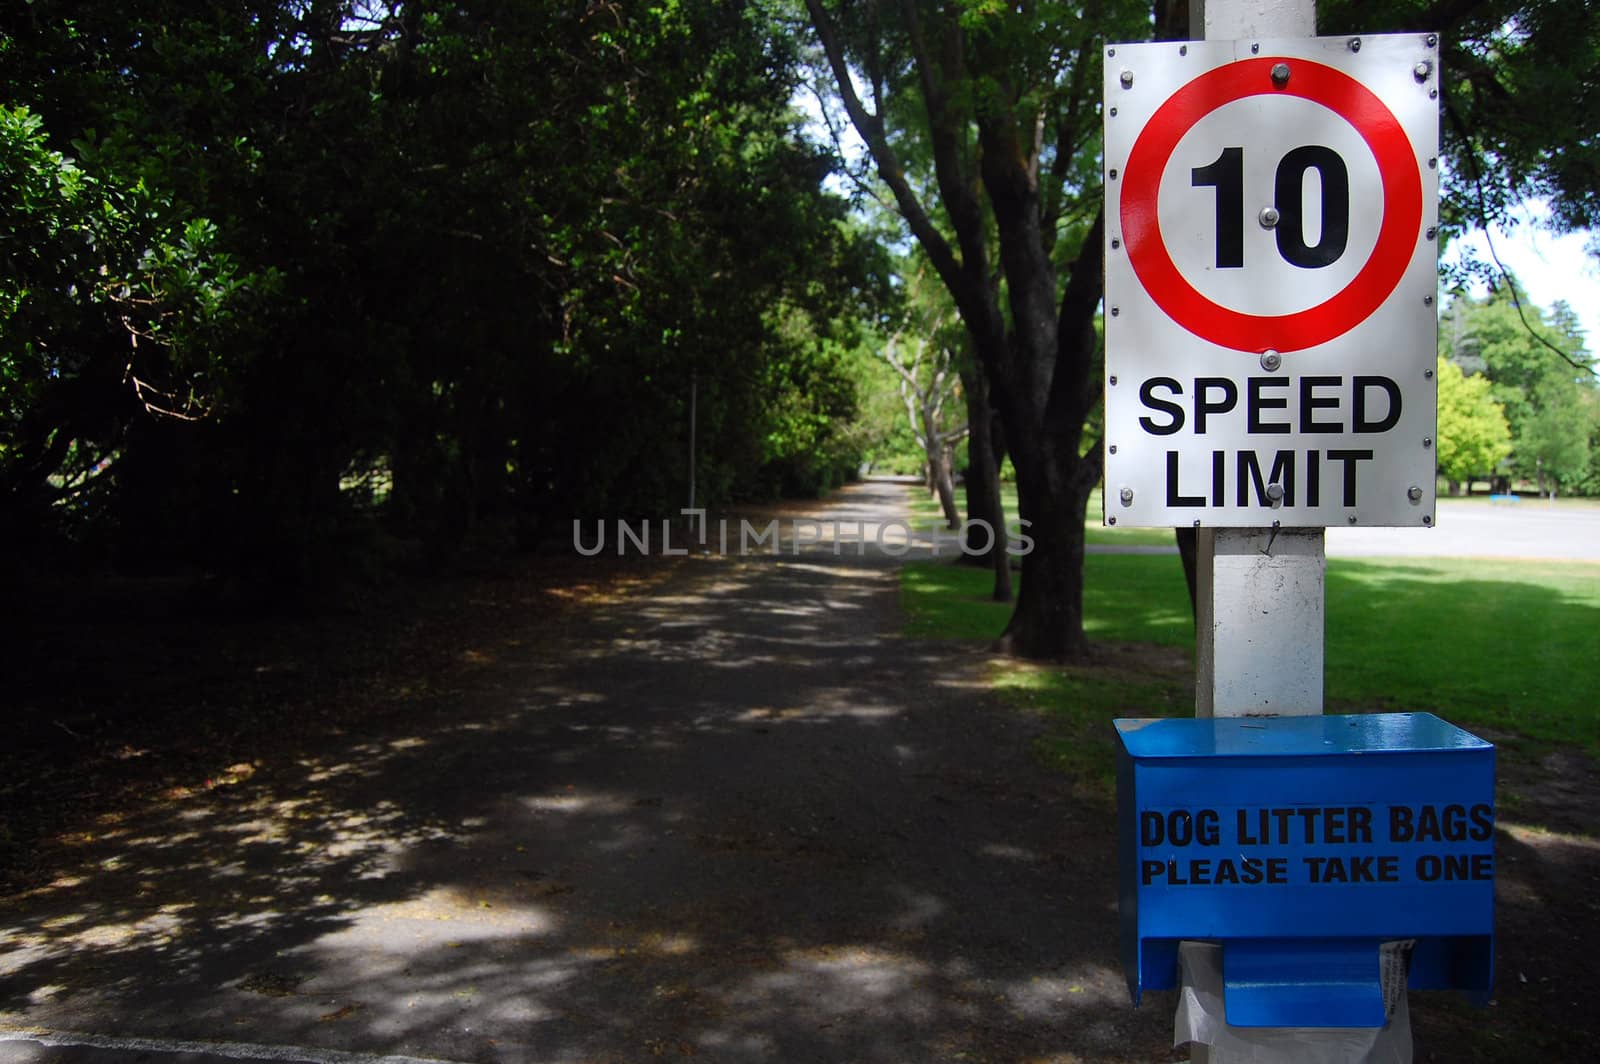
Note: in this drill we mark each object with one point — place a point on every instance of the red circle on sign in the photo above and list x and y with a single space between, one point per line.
1397 235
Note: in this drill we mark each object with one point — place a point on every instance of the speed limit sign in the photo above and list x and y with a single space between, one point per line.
1271 273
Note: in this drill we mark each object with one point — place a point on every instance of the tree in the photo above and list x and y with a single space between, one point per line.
1554 448
105 303
1473 436
435 274
881 427
1000 100
985 452
1534 364
1590 485
1504 64
925 365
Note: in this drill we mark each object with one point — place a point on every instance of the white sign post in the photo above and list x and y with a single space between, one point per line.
1271 273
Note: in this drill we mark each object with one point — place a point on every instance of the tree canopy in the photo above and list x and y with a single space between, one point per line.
289 283
1521 84
282 277
1474 437
1535 367
982 124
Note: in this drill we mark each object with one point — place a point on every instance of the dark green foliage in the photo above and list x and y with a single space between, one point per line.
1521 89
110 302
431 274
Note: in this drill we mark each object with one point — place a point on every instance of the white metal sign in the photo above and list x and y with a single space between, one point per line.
1271 273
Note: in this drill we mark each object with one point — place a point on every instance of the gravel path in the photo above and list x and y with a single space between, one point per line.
736 819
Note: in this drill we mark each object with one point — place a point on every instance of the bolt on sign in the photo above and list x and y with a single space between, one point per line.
1271 280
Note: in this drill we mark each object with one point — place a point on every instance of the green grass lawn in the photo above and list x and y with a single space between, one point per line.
1509 647
1134 597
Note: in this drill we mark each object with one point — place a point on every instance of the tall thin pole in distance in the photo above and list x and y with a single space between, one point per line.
694 388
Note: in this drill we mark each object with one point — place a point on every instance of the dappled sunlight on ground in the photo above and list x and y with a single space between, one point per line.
740 818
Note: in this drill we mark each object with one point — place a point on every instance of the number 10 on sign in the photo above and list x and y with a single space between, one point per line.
1287 217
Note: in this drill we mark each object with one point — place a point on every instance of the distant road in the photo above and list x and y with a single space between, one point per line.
1524 529
1528 528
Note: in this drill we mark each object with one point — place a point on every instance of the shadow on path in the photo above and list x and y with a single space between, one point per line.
736 819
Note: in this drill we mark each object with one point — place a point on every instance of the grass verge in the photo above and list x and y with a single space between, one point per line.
1507 647
1078 704
1137 611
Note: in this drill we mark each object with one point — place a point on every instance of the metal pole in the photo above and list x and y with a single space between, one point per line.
694 388
1233 20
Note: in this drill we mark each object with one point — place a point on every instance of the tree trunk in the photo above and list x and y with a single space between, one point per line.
983 487
1046 398
1039 352
1002 561
939 466
981 484
1048 619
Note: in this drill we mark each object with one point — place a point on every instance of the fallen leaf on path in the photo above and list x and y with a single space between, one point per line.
340 1013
